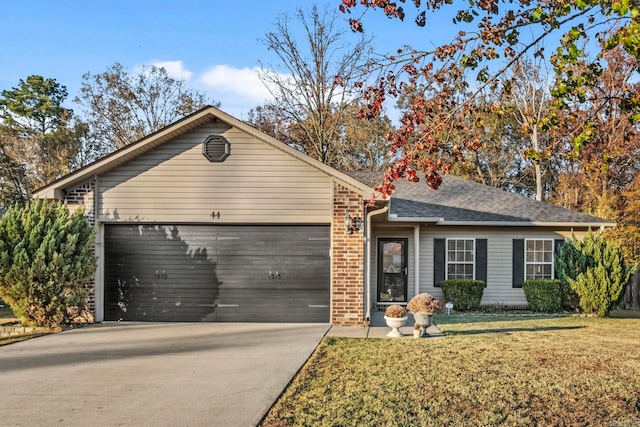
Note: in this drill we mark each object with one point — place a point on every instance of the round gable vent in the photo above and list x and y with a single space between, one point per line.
216 148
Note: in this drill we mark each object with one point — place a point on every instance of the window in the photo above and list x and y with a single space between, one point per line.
538 259
460 259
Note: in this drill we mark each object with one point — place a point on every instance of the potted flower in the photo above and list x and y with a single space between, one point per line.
422 306
396 317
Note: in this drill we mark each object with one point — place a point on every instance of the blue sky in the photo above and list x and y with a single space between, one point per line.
212 44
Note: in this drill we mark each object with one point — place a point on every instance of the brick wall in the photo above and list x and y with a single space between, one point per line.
83 196
347 287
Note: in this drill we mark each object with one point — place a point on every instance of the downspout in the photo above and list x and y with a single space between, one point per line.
368 257
98 281
416 259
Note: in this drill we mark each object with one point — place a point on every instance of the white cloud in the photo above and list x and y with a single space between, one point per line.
243 82
175 69
237 89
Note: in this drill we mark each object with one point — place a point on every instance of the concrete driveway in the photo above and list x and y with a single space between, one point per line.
186 374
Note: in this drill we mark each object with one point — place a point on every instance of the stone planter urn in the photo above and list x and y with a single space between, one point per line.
423 318
395 323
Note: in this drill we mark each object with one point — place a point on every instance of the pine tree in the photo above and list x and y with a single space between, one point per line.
46 256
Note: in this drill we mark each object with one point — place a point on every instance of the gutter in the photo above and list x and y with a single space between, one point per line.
530 224
367 240
442 221
431 219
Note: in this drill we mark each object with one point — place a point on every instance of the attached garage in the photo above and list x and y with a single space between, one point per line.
228 273
209 219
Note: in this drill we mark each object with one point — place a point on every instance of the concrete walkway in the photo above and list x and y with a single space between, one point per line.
379 329
182 374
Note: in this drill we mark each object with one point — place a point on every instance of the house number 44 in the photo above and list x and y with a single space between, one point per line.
215 215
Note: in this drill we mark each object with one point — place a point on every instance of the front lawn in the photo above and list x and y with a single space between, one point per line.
513 371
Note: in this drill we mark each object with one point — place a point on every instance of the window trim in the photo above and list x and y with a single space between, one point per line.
446 256
527 263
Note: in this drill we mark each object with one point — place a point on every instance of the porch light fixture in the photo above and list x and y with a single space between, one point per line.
352 224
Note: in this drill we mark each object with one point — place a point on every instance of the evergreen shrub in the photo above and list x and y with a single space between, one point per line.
465 294
543 294
595 270
46 258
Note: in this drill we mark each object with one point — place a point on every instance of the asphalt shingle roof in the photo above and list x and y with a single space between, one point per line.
460 201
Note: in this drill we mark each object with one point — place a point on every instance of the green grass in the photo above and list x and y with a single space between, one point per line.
494 371
475 317
625 314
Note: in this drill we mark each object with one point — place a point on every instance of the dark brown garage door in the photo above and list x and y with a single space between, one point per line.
217 273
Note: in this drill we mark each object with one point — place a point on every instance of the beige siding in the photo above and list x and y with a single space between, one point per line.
174 182
499 288
499 258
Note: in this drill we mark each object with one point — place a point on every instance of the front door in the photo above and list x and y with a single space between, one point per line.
392 270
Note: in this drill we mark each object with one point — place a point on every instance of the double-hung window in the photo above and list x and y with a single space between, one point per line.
538 259
460 258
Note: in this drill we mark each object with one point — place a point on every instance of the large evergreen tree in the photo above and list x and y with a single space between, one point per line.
34 106
46 258
38 142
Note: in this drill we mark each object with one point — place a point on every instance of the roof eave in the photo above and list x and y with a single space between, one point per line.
530 224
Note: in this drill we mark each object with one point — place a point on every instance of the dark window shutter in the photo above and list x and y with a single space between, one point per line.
557 243
439 264
518 262
481 260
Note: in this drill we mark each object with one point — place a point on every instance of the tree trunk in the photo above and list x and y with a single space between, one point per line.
536 163
538 180
635 292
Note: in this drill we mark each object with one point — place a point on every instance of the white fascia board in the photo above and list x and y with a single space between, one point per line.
431 220
529 224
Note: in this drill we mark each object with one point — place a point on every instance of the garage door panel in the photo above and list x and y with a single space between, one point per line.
217 273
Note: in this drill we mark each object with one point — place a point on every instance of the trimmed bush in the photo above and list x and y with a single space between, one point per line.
543 294
46 257
465 294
